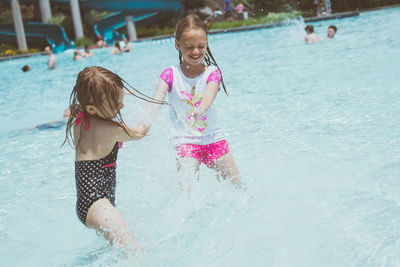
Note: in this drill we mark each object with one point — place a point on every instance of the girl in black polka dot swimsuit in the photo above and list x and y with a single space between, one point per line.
96 130
95 179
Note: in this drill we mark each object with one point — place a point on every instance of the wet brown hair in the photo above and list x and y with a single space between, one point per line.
194 22
25 68
333 27
99 87
309 28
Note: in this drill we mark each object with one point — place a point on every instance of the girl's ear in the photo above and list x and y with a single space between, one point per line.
177 46
92 110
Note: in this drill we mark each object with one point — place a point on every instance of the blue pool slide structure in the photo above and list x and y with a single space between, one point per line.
107 27
143 12
38 34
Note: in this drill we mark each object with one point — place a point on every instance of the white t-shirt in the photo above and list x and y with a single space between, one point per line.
184 96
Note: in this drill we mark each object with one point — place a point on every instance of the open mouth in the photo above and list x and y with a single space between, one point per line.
195 57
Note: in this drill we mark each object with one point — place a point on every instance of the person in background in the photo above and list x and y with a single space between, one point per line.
311 37
240 9
218 14
116 49
127 47
87 52
227 10
329 5
25 68
52 62
320 12
101 43
332 31
52 124
77 55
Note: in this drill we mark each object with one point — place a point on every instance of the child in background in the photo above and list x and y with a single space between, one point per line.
87 52
52 62
96 129
116 49
25 68
191 87
127 47
77 55
311 37
101 43
239 10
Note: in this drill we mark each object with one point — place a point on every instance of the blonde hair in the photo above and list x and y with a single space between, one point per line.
95 86
99 87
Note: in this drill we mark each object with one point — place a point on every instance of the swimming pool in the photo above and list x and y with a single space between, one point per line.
314 130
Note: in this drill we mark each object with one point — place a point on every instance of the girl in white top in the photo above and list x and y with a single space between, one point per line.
192 86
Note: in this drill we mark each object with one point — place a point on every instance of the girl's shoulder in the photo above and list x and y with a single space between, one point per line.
168 71
95 125
103 131
212 70
175 71
168 77
108 128
213 73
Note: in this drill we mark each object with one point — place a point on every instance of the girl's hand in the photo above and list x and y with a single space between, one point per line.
192 120
194 117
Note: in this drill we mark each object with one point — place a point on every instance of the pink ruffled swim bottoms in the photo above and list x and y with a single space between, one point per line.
205 154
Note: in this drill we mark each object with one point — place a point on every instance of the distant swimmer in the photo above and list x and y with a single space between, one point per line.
77 55
26 68
311 36
52 62
101 43
116 49
53 124
127 47
87 52
332 31
50 125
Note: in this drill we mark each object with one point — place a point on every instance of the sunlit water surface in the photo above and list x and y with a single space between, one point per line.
314 130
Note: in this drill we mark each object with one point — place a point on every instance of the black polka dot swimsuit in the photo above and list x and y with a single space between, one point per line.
95 179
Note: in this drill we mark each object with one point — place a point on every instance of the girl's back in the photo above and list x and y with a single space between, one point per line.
96 141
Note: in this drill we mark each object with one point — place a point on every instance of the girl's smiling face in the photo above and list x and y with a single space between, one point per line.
193 46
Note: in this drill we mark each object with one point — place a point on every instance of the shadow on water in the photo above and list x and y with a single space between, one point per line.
49 126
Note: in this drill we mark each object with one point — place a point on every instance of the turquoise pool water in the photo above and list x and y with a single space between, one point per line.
314 130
